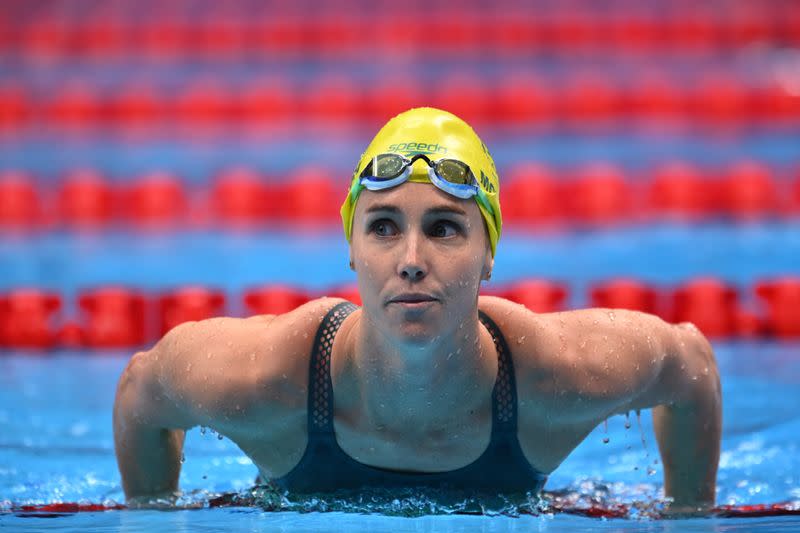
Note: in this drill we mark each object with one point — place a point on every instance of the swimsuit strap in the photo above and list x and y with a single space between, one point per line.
320 387
504 394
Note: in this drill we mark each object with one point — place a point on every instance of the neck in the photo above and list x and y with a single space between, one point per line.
412 387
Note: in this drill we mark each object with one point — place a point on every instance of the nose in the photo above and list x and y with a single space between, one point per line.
411 266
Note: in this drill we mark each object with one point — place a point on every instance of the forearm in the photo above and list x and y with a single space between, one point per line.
147 432
689 428
149 461
689 442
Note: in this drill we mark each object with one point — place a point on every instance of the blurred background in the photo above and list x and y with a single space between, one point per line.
168 161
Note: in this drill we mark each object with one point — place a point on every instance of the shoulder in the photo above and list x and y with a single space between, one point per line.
589 358
225 364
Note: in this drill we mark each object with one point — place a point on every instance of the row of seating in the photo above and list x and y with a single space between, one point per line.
595 194
715 96
119 317
495 31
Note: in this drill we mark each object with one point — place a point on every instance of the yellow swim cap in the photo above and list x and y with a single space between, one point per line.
440 135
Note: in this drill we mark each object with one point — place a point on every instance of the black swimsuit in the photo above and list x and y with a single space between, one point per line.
325 467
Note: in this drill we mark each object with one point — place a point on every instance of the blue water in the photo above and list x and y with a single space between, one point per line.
56 444
55 409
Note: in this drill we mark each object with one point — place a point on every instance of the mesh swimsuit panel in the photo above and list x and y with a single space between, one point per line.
325 467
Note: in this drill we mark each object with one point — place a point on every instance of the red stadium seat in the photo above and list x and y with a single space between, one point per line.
19 201
531 194
748 191
86 199
312 197
679 189
156 199
782 298
240 196
709 304
188 304
525 99
625 294
115 318
273 299
599 195
540 296
26 318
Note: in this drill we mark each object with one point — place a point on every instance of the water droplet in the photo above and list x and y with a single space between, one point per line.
521 340
611 316
583 344
219 436
188 366
202 430
208 355
252 356
183 458
606 440
627 421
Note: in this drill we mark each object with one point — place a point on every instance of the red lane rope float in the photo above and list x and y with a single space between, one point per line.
540 296
525 99
86 199
15 108
26 319
782 299
679 189
748 191
308 195
708 303
348 292
188 304
274 299
239 197
625 294
532 195
599 195
227 500
115 318
155 200
19 201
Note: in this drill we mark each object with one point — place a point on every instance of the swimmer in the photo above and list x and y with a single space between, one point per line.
427 384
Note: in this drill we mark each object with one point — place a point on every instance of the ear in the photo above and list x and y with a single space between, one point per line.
488 266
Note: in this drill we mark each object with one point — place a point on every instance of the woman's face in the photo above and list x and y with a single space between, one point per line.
420 255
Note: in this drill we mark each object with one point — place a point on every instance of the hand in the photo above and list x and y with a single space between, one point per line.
685 510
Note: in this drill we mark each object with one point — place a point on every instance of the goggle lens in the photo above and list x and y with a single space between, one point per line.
453 171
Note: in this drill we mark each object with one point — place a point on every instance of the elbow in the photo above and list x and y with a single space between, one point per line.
697 364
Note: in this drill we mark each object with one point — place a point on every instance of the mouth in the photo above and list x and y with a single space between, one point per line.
413 299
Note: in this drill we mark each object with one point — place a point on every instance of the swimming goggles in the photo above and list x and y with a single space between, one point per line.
450 175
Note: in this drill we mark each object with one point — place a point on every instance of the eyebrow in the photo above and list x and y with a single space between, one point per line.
437 210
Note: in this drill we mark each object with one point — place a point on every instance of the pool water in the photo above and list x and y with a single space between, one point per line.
56 442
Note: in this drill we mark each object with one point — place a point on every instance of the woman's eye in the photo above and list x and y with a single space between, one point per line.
444 229
383 228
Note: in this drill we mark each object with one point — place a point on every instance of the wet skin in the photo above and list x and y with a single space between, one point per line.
413 369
